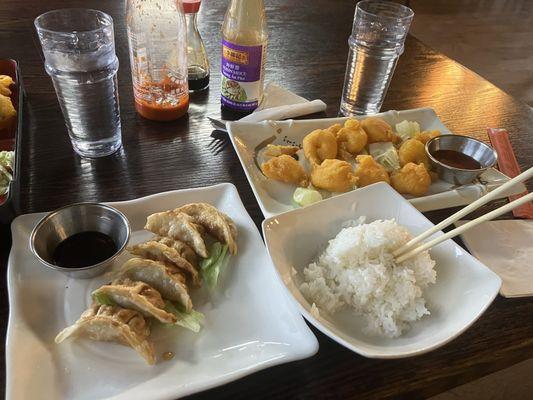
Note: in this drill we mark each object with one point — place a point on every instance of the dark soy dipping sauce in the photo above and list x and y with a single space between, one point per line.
84 249
456 159
198 83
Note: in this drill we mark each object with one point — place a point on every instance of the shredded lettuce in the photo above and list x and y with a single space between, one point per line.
6 170
385 153
407 129
210 267
304 196
191 320
103 299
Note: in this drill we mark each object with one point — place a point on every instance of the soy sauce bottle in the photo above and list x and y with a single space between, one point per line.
198 64
244 43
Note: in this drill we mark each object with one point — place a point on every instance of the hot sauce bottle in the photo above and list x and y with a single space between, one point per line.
244 42
157 37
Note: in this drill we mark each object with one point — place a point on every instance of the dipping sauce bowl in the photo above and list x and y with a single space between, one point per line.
81 219
472 155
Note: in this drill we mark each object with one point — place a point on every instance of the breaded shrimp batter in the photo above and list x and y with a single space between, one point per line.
378 130
273 150
411 179
320 145
369 171
426 136
413 151
333 175
285 169
351 138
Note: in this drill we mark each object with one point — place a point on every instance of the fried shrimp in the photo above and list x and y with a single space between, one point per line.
413 151
285 169
334 128
273 150
426 136
333 175
368 171
320 145
351 139
411 179
378 130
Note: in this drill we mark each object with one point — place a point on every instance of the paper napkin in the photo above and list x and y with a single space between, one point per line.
506 247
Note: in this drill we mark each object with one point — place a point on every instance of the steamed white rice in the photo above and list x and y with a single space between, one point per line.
357 270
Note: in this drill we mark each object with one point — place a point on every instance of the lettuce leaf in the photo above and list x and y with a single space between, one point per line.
190 320
211 266
103 299
6 170
407 129
305 196
385 153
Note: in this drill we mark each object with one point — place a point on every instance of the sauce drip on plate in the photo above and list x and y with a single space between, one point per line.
84 249
456 159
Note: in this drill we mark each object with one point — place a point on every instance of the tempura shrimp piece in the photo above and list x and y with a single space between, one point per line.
334 128
351 139
426 136
334 176
411 179
273 150
320 145
413 151
378 130
369 171
285 169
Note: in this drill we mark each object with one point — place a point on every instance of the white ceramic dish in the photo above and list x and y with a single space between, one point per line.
464 287
250 322
276 197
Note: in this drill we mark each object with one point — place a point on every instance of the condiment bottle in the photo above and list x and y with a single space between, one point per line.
198 64
244 42
157 37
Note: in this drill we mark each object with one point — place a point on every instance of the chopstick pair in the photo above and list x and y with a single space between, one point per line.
409 250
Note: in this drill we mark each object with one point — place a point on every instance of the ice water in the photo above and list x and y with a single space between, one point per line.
89 101
368 75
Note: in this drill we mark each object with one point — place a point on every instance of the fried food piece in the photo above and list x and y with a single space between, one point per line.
320 145
378 130
426 136
411 179
7 112
5 82
413 151
285 169
351 139
334 128
369 171
333 175
273 150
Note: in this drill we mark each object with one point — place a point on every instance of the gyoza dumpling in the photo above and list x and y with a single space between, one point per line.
178 226
112 324
217 223
183 249
165 278
160 252
136 296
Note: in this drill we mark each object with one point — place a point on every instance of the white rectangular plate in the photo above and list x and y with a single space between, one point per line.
250 323
463 290
276 197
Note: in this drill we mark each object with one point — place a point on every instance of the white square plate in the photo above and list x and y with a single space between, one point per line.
276 197
463 290
250 322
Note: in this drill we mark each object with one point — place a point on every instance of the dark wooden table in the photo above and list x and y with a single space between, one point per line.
307 54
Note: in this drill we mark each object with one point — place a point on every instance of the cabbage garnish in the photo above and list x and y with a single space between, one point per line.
6 170
191 320
210 267
385 153
304 196
407 129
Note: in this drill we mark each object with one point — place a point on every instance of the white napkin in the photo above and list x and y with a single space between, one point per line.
506 247
278 103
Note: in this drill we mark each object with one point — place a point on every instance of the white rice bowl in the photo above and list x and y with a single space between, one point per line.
357 270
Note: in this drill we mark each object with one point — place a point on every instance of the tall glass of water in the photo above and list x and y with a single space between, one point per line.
376 43
79 50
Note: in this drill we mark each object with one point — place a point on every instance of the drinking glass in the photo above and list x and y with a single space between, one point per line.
79 50
377 39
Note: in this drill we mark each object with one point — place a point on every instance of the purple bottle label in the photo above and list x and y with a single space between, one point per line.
241 76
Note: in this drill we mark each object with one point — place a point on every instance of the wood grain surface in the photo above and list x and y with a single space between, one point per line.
307 54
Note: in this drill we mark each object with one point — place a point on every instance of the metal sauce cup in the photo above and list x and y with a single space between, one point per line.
479 151
75 218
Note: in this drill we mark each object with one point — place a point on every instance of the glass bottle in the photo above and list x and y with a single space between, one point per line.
244 43
157 37
198 64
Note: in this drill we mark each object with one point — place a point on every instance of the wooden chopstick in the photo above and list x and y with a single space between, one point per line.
524 176
457 231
